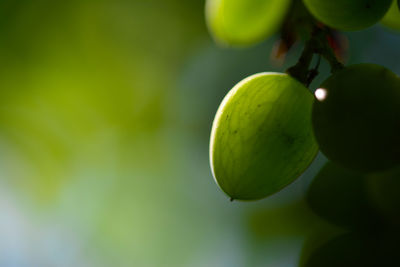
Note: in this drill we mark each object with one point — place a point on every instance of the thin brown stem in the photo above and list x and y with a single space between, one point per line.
317 44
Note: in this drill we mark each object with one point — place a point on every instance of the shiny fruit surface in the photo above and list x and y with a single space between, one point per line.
244 22
348 15
356 118
392 17
340 196
261 138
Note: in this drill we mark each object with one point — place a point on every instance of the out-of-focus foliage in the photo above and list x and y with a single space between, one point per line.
79 72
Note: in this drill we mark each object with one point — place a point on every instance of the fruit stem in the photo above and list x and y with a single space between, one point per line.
326 51
313 72
300 70
317 44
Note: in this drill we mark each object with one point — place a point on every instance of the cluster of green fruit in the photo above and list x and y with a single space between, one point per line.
245 22
365 211
269 127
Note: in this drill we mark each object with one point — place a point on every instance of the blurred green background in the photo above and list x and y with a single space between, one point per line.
105 113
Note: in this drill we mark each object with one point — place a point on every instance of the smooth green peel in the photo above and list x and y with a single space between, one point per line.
348 15
261 138
356 120
392 17
244 22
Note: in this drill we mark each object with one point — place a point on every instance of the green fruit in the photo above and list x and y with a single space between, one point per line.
348 15
340 197
392 17
261 138
384 194
356 118
354 250
344 250
244 22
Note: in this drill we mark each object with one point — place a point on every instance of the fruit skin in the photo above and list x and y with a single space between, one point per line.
348 15
244 22
344 250
383 189
392 17
340 196
357 125
352 249
261 138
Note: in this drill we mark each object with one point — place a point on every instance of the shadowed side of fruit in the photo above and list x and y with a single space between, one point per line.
340 196
383 189
348 15
392 17
356 249
356 118
244 22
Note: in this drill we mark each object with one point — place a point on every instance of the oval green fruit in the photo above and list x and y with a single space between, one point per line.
356 118
354 249
348 15
383 188
261 138
392 17
340 196
244 22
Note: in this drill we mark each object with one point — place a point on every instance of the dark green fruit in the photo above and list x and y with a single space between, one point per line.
340 197
244 22
261 138
348 15
356 118
384 194
345 250
392 17
356 250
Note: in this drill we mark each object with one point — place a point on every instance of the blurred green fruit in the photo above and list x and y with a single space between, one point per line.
355 249
392 17
384 193
340 196
348 15
244 22
261 138
356 118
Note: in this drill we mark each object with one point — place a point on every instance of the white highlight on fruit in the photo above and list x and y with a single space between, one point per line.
321 94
